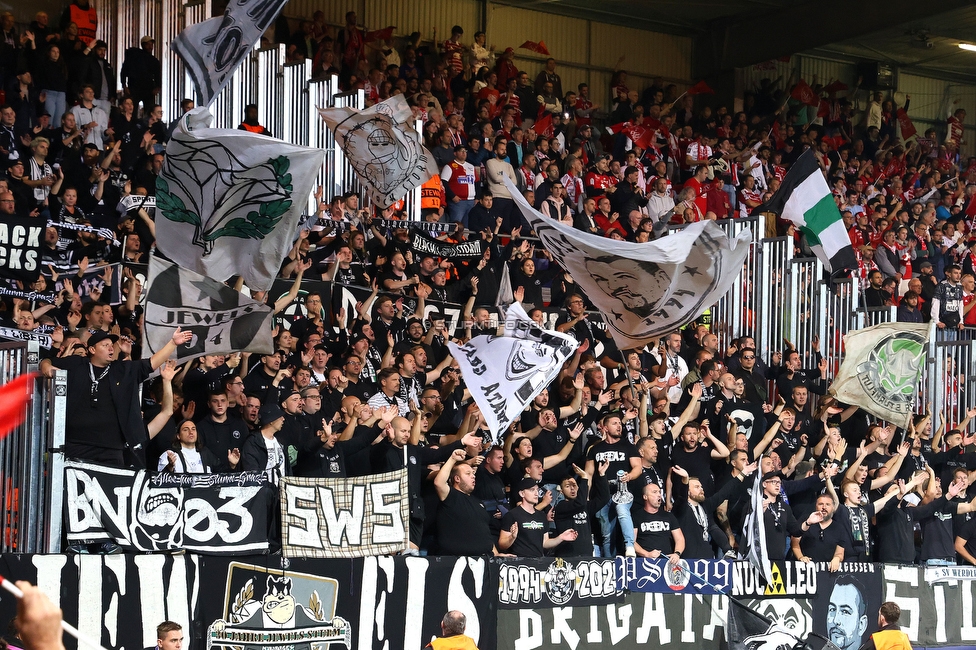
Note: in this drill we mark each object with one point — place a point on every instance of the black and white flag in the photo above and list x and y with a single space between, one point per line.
221 319
213 50
424 244
754 532
504 373
228 202
20 248
384 149
645 290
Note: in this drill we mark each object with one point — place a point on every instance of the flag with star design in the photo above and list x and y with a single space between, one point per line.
221 319
644 290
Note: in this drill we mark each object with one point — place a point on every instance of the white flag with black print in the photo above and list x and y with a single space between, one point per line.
505 372
221 319
754 532
644 290
382 146
228 202
214 49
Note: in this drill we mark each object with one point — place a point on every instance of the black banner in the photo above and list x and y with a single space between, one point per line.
115 599
200 513
296 310
424 244
560 582
346 296
20 248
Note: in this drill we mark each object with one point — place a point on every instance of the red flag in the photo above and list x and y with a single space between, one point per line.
642 136
700 88
539 47
14 397
620 127
835 86
803 93
824 110
907 128
380 34
543 125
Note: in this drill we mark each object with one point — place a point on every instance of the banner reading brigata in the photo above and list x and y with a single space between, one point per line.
347 517
201 513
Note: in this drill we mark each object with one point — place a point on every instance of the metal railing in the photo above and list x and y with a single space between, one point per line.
27 486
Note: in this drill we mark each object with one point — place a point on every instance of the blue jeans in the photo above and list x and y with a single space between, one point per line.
55 103
609 515
940 562
458 212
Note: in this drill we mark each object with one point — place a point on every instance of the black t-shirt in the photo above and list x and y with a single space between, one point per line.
697 462
532 528
617 453
463 526
968 533
573 514
820 544
938 541
654 530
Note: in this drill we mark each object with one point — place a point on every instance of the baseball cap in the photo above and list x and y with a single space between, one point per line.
269 413
100 336
526 484
147 39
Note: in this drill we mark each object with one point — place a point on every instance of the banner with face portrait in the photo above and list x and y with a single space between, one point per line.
505 373
645 290
386 152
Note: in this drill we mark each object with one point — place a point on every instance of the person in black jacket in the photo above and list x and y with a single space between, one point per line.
142 73
263 452
104 421
628 196
401 450
329 459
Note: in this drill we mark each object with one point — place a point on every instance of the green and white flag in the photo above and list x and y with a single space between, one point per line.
882 368
805 200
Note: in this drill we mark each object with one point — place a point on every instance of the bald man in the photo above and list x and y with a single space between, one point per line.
400 449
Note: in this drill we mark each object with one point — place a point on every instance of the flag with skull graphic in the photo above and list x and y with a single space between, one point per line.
228 202
532 359
379 143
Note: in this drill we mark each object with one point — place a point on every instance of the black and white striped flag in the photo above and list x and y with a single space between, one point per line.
222 320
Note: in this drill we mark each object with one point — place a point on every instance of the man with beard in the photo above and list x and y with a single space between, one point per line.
696 513
465 523
624 466
489 488
695 457
847 613
824 540
337 443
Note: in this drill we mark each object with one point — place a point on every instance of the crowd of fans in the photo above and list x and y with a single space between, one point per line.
646 452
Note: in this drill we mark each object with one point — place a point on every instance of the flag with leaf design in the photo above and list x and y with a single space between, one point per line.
228 202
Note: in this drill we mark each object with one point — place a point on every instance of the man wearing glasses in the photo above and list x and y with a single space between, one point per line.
104 423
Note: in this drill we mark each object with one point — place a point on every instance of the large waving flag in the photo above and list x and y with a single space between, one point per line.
228 202
213 50
221 319
805 199
384 149
504 373
881 370
645 290
754 532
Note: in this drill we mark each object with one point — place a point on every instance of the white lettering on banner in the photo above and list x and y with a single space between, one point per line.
377 596
530 630
910 606
562 627
967 630
798 579
388 526
595 635
14 257
619 624
87 504
654 617
200 510
938 594
344 523
307 534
